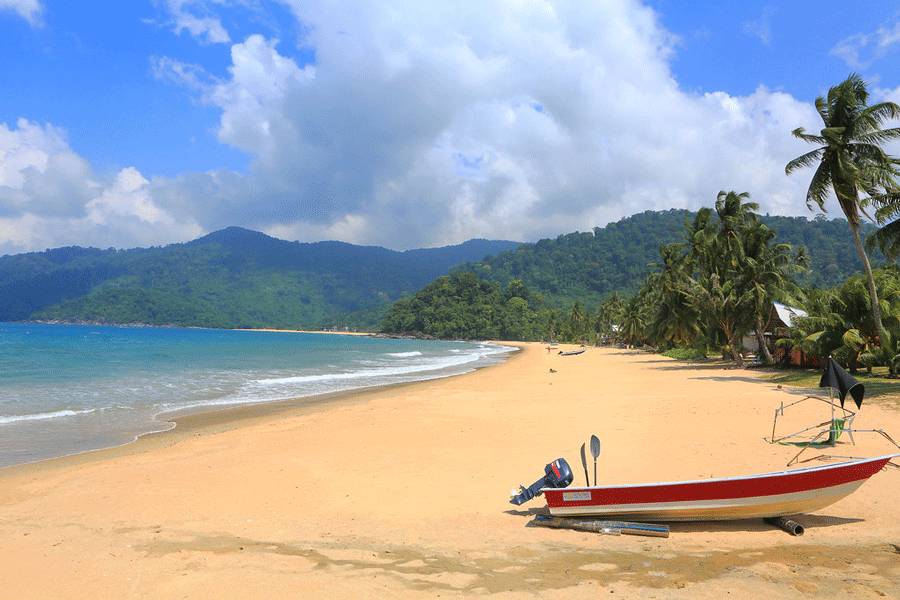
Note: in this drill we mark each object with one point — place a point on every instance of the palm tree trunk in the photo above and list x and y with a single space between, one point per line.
873 295
738 359
761 338
735 348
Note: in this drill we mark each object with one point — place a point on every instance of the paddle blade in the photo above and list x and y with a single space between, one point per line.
595 446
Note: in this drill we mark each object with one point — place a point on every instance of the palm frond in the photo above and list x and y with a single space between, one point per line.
807 160
881 112
819 187
879 136
800 132
887 239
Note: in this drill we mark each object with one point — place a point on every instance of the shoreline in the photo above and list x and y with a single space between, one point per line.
209 421
401 493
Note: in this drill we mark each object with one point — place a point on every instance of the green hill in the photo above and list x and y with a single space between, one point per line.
234 278
585 267
238 278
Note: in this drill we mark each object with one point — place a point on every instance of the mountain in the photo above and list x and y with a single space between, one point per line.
233 278
236 278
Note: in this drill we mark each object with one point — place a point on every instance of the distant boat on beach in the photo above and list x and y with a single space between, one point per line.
572 352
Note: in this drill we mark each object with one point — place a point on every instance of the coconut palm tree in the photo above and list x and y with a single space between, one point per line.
609 315
734 215
849 160
767 269
839 323
721 287
699 236
675 320
633 322
576 321
810 334
729 303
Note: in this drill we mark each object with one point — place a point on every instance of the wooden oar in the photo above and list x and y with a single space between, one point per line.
595 452
584 464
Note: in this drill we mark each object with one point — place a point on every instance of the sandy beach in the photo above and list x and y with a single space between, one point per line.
403 493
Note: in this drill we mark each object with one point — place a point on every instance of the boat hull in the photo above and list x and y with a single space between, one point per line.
756 496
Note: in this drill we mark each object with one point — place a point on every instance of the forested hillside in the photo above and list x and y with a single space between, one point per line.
230 278
572 285
240 278
460 306
585 267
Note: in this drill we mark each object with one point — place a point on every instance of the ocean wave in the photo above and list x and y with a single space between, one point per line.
57 414
392 370
404 354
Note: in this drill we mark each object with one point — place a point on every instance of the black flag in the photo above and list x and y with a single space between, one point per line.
834 376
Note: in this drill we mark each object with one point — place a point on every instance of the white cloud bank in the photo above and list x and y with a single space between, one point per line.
51 197
423 125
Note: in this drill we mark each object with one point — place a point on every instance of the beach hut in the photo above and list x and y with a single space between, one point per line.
780 322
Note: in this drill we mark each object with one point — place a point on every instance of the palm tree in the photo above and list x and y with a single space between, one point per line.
633 323
576 321
839 322
729 304
802 258
699 236
810 334
552 326
675 320
767 269
721 286
850 161
609 315
734 214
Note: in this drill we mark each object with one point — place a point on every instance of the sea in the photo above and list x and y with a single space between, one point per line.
70 389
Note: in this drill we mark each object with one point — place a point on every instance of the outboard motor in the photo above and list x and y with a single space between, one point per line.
556 475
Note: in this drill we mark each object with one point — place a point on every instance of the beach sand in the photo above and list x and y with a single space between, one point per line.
403 493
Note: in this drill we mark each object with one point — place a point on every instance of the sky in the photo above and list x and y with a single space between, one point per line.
409 124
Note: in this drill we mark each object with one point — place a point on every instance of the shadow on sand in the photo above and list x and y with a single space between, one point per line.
755 525
736 526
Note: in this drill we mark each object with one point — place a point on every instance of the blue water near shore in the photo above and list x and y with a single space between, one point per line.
68 389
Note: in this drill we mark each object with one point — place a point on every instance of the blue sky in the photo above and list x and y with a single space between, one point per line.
407 124
794 47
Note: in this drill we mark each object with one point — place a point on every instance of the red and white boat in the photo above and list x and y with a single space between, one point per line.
776 494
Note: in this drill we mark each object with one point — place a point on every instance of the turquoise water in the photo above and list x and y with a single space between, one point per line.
67 389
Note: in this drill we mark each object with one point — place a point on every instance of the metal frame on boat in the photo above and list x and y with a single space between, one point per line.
766 495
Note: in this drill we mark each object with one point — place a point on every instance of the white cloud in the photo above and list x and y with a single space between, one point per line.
253 101
861 50
190 75
197 18
425 124
435 125
30 10
762 27
50 196
40 174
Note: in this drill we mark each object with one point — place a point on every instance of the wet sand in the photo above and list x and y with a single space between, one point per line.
403 493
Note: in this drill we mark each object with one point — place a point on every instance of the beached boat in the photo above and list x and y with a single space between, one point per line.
776 494
572 352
